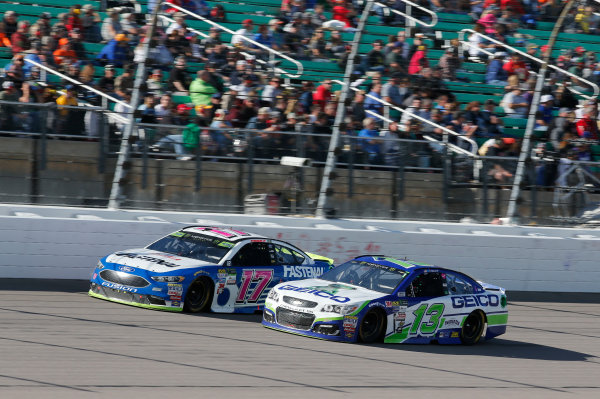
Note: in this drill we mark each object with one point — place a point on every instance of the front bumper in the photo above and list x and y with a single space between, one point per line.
139 299
321 328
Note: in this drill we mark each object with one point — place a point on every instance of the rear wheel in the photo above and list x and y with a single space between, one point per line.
371 327
472 328
199 295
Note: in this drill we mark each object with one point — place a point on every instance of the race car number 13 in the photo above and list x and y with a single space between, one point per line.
427 327
250 292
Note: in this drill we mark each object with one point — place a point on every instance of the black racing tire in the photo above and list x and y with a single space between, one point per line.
199 296
472 328
372 327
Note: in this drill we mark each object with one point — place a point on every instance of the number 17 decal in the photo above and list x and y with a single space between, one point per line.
251 292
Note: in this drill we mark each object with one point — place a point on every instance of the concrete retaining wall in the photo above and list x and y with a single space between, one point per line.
66 243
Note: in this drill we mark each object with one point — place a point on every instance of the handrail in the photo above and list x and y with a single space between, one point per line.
60 75
433 15
461 36
196 31
446 130
208 21
454 147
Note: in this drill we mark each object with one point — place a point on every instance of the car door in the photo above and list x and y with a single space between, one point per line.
428 302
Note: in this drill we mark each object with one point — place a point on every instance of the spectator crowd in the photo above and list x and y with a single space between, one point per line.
209 85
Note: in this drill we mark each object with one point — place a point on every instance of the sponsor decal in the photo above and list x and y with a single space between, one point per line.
375 304
175 297
303 310
454 334
389 304
319 293
177 234
442 334
258 240
94 276
230 280
147 258
401 293
174 289
156 289
451 323
220 287
332 288
221 273
118 287
201 272
226 244
349 324
176 303
400 316
469 301
126 269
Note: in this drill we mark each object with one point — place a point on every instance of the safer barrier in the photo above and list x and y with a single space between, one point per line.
66 243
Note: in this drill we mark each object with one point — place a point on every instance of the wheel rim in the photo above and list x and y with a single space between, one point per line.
472 327
197 295
370 324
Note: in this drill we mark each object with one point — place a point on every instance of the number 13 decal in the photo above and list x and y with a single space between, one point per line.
251 292
427 327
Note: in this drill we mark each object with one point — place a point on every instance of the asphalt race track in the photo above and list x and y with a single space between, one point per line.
60 344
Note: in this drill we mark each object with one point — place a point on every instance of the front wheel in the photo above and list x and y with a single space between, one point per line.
472 328
371 327
198 296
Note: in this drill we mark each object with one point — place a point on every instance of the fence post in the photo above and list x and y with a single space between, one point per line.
485 211
102 140
250 141
198 174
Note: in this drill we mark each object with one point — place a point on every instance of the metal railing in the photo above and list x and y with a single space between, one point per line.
247 55
403 111
298 64
461 36
221 181
434 17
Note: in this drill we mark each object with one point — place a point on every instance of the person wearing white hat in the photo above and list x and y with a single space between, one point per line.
545 112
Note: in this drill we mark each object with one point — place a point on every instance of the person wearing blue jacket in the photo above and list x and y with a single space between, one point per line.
116 51
495 74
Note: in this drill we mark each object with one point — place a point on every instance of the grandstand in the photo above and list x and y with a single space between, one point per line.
469 85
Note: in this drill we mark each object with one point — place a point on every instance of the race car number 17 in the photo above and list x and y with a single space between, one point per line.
253 284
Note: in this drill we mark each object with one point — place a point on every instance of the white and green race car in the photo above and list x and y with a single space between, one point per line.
378 298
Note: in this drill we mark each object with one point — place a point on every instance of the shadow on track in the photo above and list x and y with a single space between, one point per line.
499 348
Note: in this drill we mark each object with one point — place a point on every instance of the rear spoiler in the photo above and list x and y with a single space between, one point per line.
321 258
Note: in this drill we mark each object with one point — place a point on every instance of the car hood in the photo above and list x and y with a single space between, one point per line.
154 261
327 292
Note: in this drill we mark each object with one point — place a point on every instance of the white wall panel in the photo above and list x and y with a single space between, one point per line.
518 258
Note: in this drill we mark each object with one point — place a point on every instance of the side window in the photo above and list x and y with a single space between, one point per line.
427 285
287 256
253 254
458 285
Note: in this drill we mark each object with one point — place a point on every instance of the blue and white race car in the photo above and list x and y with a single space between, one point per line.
377 298
200 268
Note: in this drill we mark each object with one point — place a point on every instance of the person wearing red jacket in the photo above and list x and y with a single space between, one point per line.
515 5
323 94
587 127
342 13
73 20
516 66
20 39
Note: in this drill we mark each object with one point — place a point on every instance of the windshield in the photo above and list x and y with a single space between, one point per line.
367 275
193 245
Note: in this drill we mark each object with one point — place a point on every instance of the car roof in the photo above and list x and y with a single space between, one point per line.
401 264
227 233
